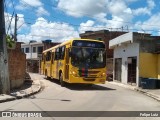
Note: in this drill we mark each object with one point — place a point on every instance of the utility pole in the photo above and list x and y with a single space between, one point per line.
4 74
15 28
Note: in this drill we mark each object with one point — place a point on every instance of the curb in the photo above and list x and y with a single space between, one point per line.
154 96
148 94
14 97
30 93
10 98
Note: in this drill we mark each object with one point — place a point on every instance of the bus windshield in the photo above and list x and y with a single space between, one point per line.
88 57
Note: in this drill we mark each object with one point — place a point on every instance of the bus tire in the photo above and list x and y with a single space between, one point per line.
61 80
46 77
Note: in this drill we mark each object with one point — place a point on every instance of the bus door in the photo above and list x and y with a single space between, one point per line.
43 64
67 64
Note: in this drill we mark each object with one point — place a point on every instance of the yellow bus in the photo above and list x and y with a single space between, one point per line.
76 61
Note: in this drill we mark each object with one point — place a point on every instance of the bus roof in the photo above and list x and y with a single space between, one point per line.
69 41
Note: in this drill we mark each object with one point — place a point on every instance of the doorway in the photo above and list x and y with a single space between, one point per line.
132 65
118 69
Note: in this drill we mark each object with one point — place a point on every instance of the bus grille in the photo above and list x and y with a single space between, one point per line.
93 72
89 79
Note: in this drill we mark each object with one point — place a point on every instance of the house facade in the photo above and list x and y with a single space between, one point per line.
135 56
33 51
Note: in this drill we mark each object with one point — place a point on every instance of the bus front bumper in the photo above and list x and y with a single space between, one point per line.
87 80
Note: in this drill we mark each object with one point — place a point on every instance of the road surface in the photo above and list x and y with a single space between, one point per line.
105 97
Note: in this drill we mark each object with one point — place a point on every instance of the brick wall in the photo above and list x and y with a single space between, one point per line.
17 66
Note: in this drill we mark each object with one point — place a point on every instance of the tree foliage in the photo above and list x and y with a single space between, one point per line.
10 42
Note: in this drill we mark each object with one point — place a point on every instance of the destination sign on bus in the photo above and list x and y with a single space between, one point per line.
80 43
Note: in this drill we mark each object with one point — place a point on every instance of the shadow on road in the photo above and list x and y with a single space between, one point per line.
79 87
87 87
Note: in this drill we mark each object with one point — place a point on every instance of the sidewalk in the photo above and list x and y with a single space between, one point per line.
30 87
154 93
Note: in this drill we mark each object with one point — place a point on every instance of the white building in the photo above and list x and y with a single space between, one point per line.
33 51
134 56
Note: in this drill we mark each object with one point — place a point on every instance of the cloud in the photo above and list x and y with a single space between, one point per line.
81 8
41 11
35 3
141 11
88 26
151 4
152 22
116 7
99 11
30 4
152 25
145 10
88 8
42 29
91 26
116 22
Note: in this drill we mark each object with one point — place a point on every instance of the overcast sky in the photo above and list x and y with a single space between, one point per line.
61 20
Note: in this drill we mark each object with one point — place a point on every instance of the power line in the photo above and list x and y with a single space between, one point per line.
5 6
77 25
91 27
13 6
9 27
83 13
9 20
105 27
88 15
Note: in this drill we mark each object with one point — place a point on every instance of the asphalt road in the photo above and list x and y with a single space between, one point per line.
106 97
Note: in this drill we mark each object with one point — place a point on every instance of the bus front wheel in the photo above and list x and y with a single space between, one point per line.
61 80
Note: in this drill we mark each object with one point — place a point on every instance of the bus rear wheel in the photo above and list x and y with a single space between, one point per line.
61 80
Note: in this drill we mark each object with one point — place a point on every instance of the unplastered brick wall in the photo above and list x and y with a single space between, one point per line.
17 66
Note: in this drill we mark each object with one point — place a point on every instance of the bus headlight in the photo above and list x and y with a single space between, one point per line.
74 73
103 74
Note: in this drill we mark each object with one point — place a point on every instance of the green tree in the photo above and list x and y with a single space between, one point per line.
10 42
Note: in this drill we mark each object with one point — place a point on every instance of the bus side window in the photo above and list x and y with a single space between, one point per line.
62 52
48 56
57 54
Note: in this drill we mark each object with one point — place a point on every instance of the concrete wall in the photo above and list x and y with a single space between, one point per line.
148 65
126 38
17 66
147 46
124 51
